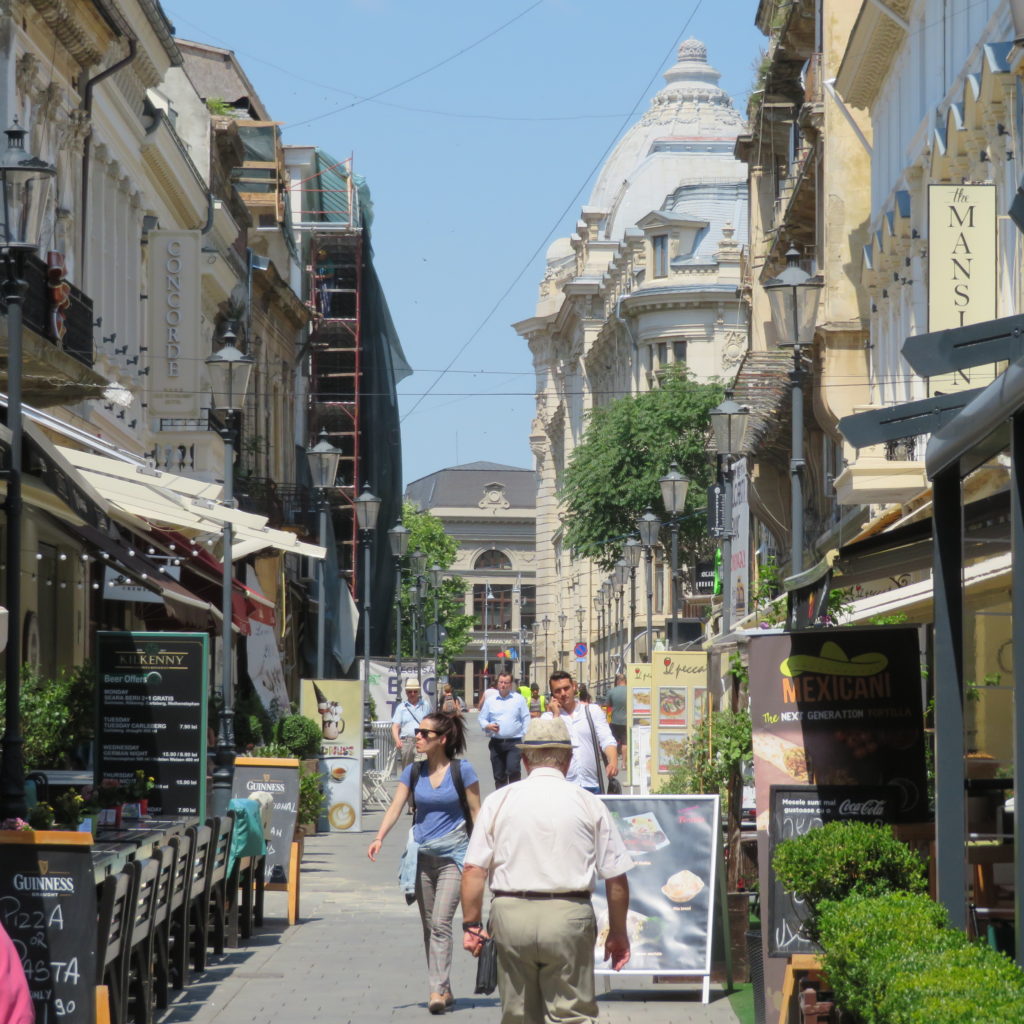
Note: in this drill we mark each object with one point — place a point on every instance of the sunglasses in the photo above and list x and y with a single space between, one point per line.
426 733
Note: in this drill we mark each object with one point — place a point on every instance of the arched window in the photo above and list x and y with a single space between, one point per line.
493 559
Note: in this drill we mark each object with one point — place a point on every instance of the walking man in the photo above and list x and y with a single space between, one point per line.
541 845
578 717
503 718
406 720
617 704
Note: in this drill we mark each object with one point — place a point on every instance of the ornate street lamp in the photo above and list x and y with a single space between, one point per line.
367 510
794 296
24 195
545 625
673 495
581 616
418 565
229 370
323 459
632 552
436 579
648 526
562 620
398 541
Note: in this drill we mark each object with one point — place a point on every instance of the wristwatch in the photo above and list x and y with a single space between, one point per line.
471 926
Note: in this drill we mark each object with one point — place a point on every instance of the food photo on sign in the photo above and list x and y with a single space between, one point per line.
672 701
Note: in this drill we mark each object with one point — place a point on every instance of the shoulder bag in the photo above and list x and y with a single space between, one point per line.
610 786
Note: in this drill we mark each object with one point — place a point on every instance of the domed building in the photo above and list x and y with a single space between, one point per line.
650 278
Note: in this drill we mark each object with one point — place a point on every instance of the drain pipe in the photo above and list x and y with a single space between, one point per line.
86 108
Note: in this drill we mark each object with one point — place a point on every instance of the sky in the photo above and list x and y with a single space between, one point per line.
480 128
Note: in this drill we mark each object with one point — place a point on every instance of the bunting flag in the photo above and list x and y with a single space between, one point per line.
508 654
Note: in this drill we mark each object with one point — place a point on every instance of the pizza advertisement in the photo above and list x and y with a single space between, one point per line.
674 885
673 704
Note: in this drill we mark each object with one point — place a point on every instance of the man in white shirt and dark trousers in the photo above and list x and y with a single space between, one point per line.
504 717
541 844
584 768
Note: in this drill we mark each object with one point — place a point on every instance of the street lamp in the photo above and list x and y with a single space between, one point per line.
562 620
367 509
545 625
24 187
602 630
436 579
648 526
673 495
398 540
729 425
580 617
418 564
794 296
323 460
632 550
229 372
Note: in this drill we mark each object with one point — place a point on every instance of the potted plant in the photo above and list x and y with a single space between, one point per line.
137 791
40 817
110 796
70 811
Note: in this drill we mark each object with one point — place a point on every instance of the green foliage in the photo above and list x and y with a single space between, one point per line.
56 714
220 107
631 442
272 749
301 735
254 725
844 858
426 534
40 817
891 960
719 746
895 619
765 597
311 796
738 670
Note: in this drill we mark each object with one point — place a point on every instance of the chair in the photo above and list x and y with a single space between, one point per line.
217 886
139 962
166 856
199 893
246 868
178 931
113 937
375 790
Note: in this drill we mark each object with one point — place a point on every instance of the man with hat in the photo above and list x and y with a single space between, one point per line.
541 843
406 720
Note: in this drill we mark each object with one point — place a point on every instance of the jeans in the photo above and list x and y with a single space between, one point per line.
438 885
506 765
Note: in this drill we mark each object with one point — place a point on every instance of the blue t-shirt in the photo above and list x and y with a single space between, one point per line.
438 811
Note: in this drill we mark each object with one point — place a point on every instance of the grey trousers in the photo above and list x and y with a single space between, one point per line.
438 886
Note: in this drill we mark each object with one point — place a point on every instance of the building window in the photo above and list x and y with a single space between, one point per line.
492 606
679 351
528 610
493 559
660 244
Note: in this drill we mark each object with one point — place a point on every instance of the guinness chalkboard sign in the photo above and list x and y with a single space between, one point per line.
152 715
795 810
278 776
48 907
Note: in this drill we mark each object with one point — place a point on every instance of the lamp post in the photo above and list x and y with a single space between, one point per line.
794 297
673 495
367 509
600 667
729 424
323 460
545 625
632 550
648 526
229 372
562 620
418 564
436 579
24 190
398 539
581 616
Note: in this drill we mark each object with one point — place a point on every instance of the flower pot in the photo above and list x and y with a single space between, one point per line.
144 807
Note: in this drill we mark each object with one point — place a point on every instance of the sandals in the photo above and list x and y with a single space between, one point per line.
437 1003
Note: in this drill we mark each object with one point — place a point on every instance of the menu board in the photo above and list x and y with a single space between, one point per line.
48 907
152 716
338 704
674 843
638 718
278 776
795 810
678 704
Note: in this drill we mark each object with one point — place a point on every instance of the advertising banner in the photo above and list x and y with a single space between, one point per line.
338 705
674 885
639 677
387 690
278 776
151 694
679 699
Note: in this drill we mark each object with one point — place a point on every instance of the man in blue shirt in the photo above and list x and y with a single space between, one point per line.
504 717
406 720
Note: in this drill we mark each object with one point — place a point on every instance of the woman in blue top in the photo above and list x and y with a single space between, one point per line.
437 842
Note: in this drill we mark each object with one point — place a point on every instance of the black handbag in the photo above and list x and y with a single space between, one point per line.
487 968
610 786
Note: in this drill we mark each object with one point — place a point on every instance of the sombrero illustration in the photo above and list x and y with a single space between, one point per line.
833 661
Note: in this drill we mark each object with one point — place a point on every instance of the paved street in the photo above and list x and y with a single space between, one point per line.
357 955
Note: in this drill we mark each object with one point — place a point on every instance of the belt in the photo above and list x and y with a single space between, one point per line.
523 894
506 739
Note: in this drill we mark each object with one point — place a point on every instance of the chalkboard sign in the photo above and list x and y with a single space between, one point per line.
152 715
795 810
278 776
48 907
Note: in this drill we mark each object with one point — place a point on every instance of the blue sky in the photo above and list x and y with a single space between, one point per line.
474 166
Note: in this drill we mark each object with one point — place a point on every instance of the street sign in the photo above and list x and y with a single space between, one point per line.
925 416
580 650
958 348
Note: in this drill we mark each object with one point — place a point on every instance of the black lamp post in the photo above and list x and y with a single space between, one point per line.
599 656
581 616
729 424
367 509
632 551
418 564
229 371
436 579
673 495
398 539
545 625
562 620
323 459
24 190
794 297
648 526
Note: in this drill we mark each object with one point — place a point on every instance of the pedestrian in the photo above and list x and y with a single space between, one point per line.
541 844
537 704
488 690
583 694
445 794
617 704
503 718
404 722
451 703
584 768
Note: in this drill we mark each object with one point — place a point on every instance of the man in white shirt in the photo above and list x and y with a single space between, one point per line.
406 720
540 843
584 768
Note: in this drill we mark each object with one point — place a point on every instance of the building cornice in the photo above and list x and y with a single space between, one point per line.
871 49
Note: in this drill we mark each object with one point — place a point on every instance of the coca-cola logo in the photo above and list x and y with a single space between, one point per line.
865 809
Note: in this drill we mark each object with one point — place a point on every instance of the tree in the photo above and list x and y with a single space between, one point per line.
628 445
426 534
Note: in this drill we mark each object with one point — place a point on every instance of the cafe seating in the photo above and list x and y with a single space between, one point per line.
247 866
139 965
217 908
114 935
166 857
176 951
199 893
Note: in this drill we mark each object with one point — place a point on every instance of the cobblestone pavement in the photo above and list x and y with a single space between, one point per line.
357 954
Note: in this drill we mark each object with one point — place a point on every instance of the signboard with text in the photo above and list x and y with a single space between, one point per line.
387 690
151 697
278 776
678 704
639 677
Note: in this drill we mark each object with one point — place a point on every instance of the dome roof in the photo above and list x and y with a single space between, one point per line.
687 132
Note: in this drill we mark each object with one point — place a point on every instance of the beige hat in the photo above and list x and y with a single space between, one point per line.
546 732
411 684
